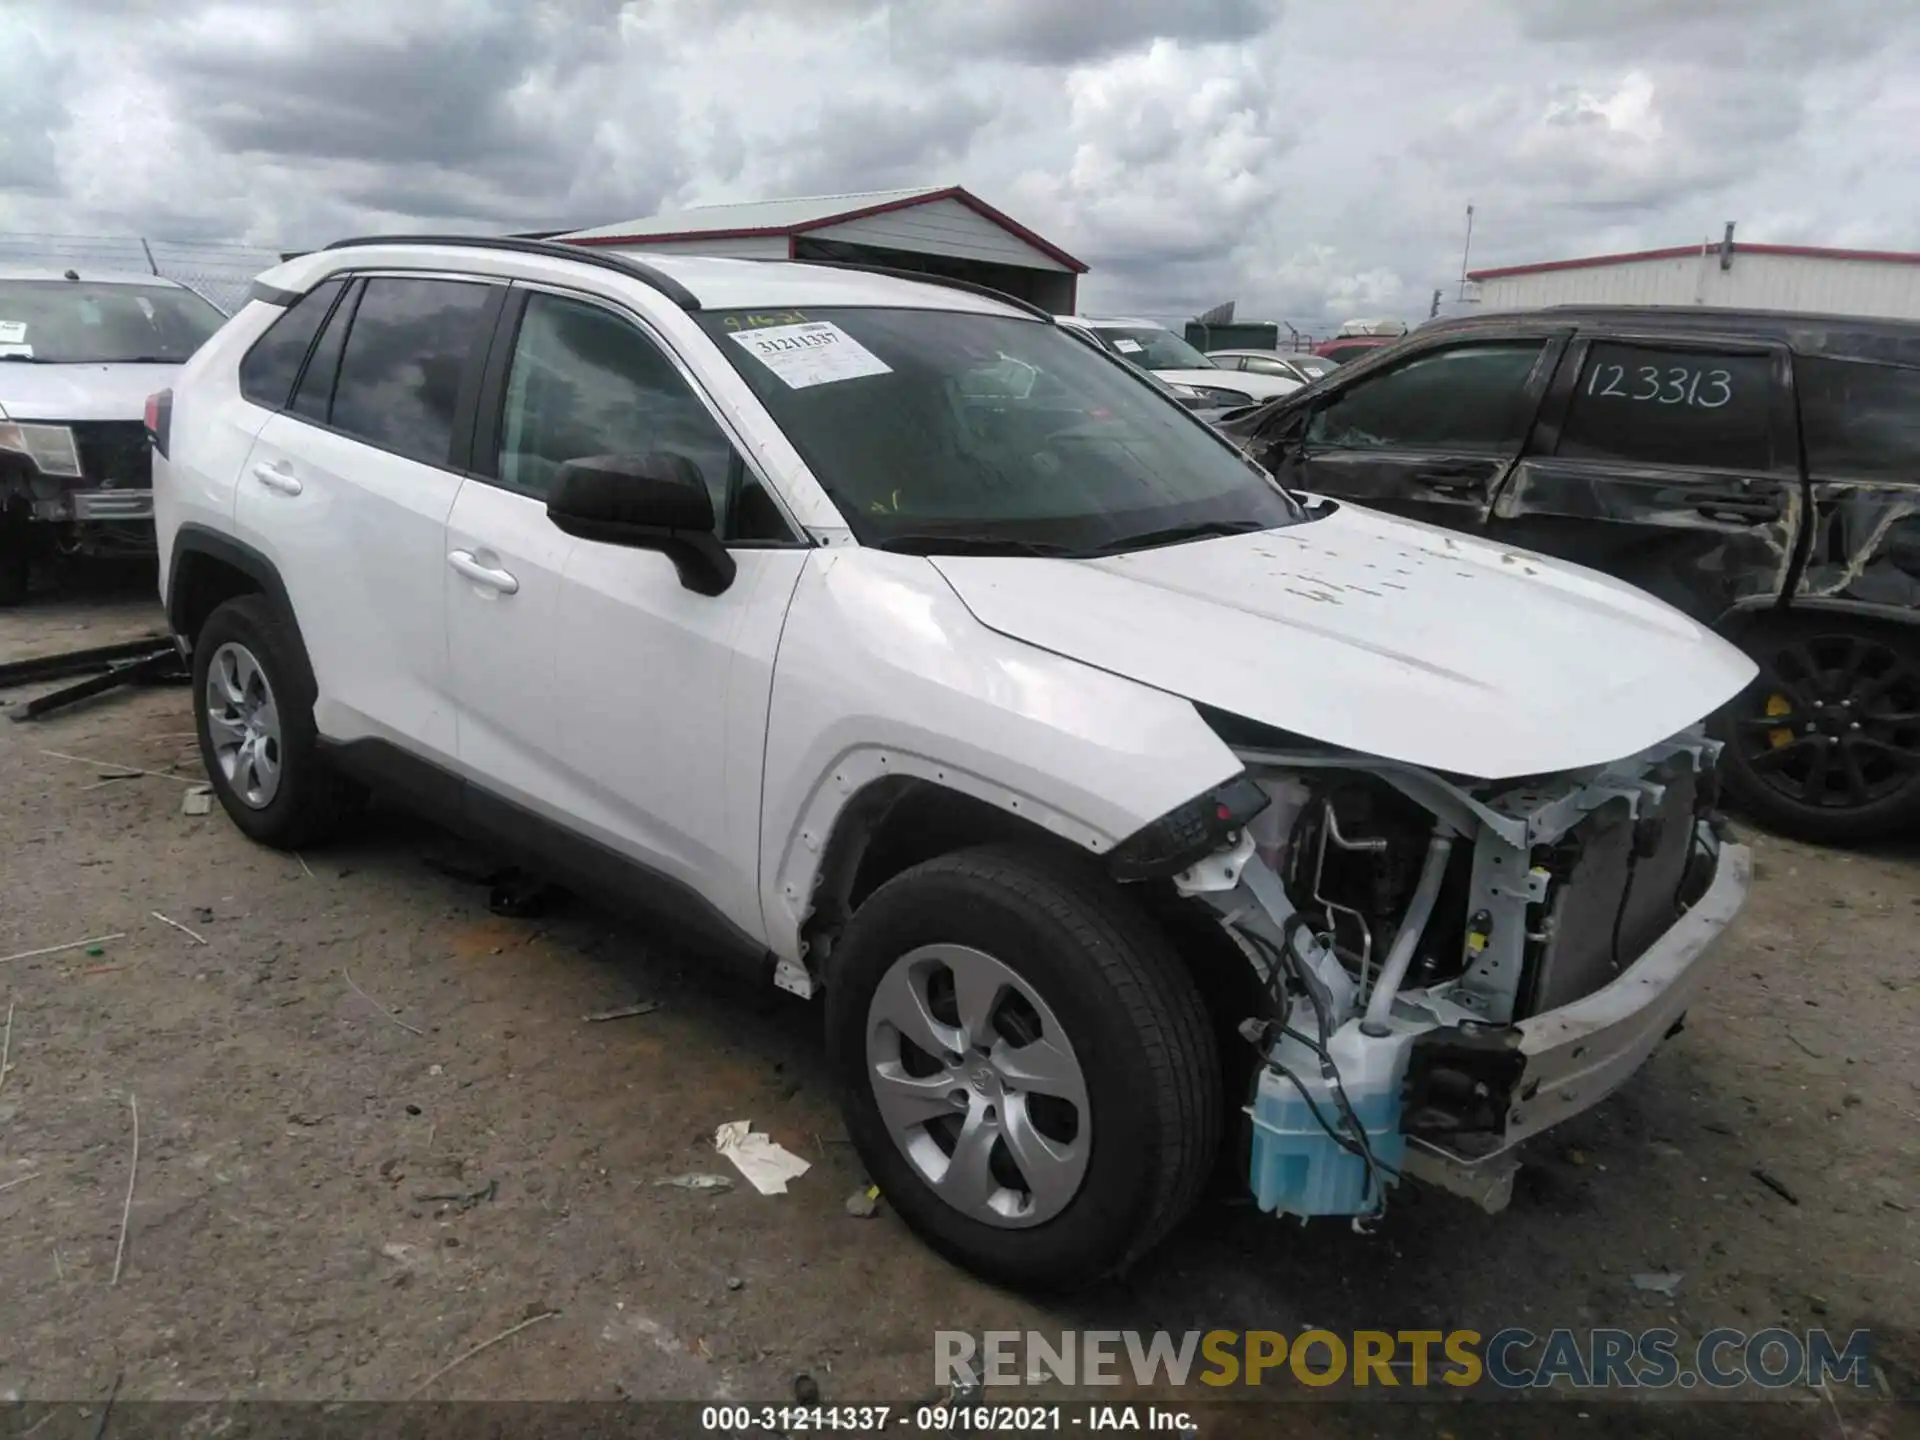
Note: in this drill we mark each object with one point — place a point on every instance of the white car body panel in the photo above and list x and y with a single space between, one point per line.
212 431
362 551
1379 635
503 662
883 672
606 695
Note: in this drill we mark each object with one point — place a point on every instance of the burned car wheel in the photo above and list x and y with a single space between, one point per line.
1824 745
1028 1071
253 710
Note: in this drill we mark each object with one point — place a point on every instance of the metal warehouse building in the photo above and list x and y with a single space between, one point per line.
1751 277
937 230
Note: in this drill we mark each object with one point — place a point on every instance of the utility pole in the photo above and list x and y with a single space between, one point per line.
1465 251
1436 305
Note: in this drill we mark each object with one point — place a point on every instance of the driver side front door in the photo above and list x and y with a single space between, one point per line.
1430 438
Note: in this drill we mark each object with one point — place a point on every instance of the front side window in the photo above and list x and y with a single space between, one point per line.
585 382
1260 365
400 371
932 425
1688 408
1859 419
1155 348
267 372
77 322
1470 399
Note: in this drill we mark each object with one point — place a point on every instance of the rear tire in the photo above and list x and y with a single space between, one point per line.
1824 745
1082 997
253 694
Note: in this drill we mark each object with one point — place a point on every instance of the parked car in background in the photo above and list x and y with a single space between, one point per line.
901 649
1156 348
1360 337
1759 471
1299 366
1343 348
78 357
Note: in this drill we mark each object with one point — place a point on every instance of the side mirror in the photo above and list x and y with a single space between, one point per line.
645 502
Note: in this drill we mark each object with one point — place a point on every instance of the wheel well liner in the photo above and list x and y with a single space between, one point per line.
895 823
891 825
208 568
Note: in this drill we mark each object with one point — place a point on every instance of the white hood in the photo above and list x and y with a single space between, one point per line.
1380 635
1259 387
80 392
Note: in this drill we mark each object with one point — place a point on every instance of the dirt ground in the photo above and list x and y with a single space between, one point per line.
358 1031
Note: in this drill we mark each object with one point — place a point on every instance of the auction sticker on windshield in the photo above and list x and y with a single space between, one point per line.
816 353
13 332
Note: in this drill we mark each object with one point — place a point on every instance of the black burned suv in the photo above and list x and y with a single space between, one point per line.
1761 471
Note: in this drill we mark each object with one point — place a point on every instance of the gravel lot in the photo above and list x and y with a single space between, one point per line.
291 1118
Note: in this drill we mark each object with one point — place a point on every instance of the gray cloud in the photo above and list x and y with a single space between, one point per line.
1311 163
1062 32
1721 33
873 144
31 111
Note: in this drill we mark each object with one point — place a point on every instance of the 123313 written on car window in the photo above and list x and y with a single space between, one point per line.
1697 386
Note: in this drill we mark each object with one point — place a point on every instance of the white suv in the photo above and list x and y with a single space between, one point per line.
893 641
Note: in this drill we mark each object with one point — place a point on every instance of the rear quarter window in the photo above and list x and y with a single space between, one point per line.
1859 419
1692 408
271 366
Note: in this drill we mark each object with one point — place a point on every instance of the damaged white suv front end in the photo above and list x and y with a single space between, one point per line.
1456 967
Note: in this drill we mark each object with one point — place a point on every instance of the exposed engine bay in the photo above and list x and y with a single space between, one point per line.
1453 965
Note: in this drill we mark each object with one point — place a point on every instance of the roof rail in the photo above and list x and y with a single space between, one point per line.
985 291
603 259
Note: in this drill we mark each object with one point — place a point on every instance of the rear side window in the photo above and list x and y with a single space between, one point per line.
270 367
400 372
1671 407
1469 399
1859 419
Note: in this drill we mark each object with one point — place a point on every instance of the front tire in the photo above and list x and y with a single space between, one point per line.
1824 745
1026 1066
253 695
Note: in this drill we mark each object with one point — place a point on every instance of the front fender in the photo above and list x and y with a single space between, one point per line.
882 671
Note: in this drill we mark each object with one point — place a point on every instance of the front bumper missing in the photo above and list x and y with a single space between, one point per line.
1574 1057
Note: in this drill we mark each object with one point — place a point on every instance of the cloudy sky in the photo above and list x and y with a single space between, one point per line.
1311 161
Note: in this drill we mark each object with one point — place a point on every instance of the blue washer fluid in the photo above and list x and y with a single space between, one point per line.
1297 1168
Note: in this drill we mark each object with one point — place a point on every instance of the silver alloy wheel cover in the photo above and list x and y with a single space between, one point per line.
243 725
990 1084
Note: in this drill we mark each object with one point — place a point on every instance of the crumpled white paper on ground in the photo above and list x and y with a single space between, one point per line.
766 1163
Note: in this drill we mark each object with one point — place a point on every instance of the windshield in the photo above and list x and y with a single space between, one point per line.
1154 348
76 322
929 425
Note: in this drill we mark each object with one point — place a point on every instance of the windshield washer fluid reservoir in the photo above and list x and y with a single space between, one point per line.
1297 1167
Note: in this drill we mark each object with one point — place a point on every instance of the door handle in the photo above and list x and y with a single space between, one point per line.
501 580
277 477
1451 482
1737 509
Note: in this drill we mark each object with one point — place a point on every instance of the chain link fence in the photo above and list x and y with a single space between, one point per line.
219 270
